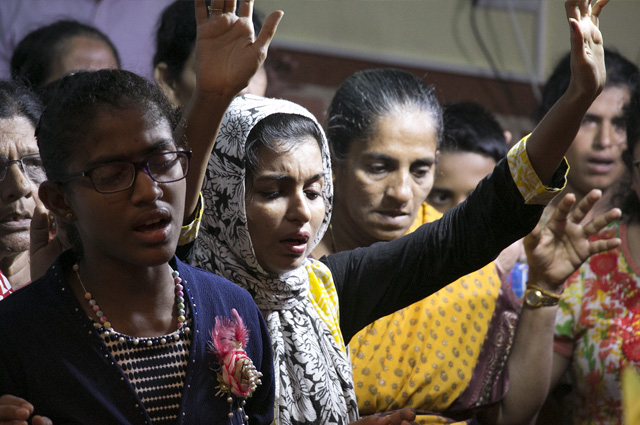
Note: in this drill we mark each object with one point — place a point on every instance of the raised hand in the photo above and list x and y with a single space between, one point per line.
227 52
554 134
588 73
227 55
556 249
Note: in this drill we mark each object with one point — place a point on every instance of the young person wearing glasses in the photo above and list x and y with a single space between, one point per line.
118 330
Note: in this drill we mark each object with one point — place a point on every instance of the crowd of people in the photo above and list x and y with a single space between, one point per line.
186 250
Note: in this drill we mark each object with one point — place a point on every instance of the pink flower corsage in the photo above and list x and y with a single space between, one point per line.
237 375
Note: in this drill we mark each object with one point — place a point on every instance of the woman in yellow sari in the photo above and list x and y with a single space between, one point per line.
384 170
447 355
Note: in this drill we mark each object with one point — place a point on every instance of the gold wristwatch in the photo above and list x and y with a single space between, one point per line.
537 297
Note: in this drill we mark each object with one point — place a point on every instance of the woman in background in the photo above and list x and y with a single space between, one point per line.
598 323
63 47
596 152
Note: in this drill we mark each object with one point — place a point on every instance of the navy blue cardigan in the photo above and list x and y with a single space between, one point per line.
51 356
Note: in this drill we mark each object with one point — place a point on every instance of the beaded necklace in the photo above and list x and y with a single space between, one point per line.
104 326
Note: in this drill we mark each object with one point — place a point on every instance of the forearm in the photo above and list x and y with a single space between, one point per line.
529 365
199 128
555 133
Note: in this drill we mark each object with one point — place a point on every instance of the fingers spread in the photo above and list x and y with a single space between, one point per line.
604 245
598 223
563 209
585 205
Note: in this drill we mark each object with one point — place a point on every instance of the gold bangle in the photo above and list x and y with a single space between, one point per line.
543 291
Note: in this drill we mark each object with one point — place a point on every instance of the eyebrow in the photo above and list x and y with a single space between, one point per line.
287 178
146 151
385 157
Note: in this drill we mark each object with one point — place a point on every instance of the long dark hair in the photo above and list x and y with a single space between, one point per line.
620 73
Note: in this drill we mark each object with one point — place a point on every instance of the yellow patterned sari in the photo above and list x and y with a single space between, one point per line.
445 355
427 356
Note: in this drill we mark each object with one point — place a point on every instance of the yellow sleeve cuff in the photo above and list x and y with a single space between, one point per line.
528 182
189 232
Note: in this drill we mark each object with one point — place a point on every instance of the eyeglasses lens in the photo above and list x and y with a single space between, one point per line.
31 166
162 168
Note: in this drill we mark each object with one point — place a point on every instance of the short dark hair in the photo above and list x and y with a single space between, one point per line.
279 133
620 72
16 100
469 127
33 58
367 96
65 122
78 98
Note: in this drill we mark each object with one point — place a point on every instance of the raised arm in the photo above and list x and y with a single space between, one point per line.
227 55
557 130
554 251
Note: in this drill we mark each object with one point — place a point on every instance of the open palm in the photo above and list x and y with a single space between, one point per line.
557 248
587 49
228 53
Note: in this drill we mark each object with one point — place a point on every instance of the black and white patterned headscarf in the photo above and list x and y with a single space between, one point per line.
314 383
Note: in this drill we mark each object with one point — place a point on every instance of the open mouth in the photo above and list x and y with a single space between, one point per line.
296 241
152 225
601 165
296 245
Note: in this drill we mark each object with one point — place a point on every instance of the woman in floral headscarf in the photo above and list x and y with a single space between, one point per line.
268 193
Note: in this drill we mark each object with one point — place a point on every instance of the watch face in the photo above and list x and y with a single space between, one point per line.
533 297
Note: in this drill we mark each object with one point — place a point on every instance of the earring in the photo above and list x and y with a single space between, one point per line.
69 215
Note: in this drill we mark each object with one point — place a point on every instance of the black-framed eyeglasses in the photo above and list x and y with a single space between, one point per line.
164 167
31 166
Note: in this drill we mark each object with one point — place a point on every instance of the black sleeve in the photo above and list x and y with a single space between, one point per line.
387 276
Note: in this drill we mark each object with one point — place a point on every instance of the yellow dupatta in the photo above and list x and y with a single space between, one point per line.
424 355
